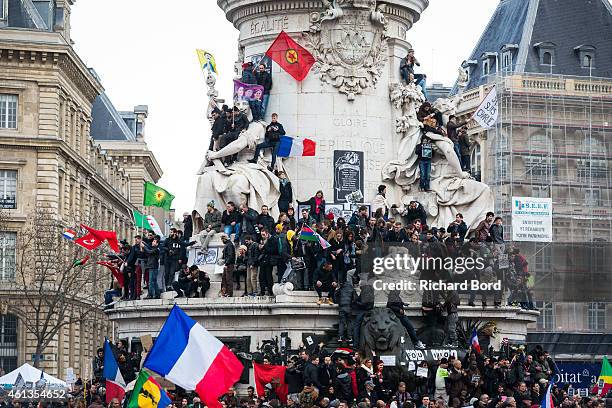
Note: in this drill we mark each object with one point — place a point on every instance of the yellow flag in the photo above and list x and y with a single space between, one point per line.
207 60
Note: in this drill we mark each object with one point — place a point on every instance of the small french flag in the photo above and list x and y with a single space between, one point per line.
69 234
115 385
474 341
294 147
548 402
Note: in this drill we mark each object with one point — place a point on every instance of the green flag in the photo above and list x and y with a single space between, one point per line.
140 220
148 393
157 196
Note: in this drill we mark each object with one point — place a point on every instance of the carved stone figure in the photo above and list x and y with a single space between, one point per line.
452 190
349 42
241 182
381 332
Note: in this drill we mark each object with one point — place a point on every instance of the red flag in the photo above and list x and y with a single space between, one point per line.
274 375
114 270
88 241
291 56
101 235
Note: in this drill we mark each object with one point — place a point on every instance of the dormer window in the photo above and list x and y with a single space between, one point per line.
3 9
508 51
488 61
468 67
546 52
586 55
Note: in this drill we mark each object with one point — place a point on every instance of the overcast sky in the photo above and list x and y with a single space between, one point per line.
144 52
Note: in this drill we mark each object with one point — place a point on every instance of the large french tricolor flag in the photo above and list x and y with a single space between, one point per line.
115 385
192 358
294 147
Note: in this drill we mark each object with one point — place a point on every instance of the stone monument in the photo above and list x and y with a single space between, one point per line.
352 104
363 120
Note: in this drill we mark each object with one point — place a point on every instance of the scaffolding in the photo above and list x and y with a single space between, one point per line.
552 140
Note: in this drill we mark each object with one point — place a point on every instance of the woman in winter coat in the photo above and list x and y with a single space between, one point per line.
317 206
286 192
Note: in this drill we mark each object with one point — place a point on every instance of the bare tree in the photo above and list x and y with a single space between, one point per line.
54 292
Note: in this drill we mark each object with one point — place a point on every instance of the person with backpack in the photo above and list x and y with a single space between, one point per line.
424 151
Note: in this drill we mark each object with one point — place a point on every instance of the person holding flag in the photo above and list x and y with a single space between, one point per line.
264 79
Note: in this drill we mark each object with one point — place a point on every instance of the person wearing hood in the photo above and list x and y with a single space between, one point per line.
212 224
380 201
286 192
343 383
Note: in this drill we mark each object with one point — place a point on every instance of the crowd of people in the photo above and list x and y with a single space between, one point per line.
326 378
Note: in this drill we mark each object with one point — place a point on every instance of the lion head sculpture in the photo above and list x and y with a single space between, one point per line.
381 332
489 329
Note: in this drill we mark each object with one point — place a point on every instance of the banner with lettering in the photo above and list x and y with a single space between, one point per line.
532 219
432 355
487 112
581 375
247 92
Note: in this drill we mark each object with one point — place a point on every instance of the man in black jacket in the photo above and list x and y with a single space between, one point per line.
184 285
311 372
415 211
231 220
229 260
249 221
459 226
264 79
129 270
238 123
265 220
273 133
267 260
396 234
218 127
293 378
396 305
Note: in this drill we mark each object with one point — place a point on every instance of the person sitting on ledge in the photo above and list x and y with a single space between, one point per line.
238 123
431 119
326 281
272 140
407 71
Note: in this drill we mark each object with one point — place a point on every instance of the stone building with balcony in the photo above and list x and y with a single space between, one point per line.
551 63
49 158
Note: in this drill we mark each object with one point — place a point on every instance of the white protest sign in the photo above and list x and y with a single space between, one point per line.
487 112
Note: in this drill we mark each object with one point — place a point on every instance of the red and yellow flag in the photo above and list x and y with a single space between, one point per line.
291 56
